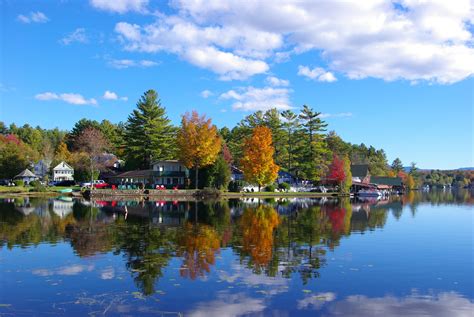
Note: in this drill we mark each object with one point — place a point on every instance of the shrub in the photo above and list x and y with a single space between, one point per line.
285 186
37 187
236 186
19 182
270 188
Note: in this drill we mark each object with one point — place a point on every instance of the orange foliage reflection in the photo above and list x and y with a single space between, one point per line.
198 246
257 232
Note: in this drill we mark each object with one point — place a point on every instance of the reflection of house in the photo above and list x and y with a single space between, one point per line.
41 168
62 208
169 173
360 173
63 172
26 176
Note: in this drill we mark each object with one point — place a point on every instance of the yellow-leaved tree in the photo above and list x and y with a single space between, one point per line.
198 142
257 161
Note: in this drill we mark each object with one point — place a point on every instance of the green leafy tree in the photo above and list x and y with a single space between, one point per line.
149 135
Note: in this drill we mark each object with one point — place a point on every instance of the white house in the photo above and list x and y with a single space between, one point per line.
63 172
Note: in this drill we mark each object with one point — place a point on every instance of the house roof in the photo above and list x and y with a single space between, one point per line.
390 181
360 170
134 174
63 165
165 161
25 173
235 170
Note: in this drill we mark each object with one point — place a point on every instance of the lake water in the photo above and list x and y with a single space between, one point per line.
407 256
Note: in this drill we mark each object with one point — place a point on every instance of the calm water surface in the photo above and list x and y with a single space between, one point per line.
409 256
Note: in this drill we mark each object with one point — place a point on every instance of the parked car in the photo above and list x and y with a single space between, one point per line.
97 184
6 182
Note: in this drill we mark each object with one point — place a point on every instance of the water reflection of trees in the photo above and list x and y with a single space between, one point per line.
257 226
275 238
197 245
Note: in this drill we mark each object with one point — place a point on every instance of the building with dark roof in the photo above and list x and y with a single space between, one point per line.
360 173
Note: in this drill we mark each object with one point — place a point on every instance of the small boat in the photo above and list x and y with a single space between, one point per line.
65 190
369 193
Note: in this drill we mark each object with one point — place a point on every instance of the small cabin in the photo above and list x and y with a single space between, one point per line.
26 176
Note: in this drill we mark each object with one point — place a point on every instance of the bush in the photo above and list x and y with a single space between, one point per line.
19 182
37 187
285 186
270 188
235 186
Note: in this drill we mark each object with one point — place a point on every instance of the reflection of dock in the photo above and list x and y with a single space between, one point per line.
159 212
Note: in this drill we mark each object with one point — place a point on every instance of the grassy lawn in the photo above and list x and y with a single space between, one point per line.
25 189
13 189
58 188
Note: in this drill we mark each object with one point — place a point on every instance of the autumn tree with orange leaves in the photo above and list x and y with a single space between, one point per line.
198 142
257 161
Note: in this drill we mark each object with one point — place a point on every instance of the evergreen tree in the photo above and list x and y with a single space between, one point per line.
397 165
148 135
291 125
316 155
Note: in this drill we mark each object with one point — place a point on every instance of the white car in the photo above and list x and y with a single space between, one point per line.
96 182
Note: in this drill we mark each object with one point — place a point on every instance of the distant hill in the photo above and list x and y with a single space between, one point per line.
408 168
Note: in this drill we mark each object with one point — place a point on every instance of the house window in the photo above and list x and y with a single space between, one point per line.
168 181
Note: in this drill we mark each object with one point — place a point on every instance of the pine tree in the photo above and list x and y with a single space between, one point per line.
149 135
316 155
397 165
291 125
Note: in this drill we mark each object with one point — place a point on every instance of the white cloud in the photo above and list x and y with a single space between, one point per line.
206 93
120 6
64 270
110 95
336 115
107 273
79 36
33 17
316 301
440 305
276 82
317 73
200 46
425 41
126 63
253 99
228 305
72 98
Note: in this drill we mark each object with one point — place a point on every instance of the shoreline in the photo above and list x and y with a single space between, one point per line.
173 195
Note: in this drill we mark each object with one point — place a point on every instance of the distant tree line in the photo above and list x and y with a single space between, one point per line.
261 144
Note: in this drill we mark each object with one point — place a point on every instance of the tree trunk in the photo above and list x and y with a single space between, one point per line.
196 180
259 187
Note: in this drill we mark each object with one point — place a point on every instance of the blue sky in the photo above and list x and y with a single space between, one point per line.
395 76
